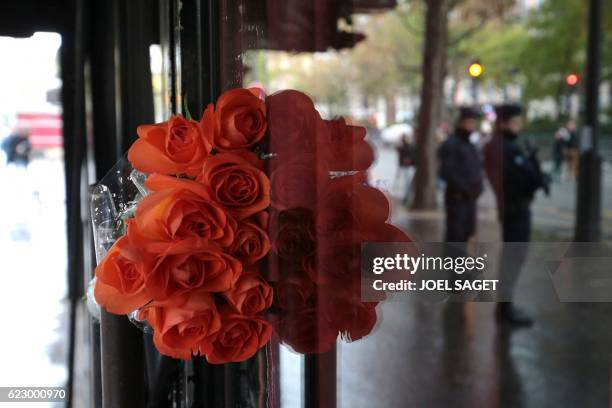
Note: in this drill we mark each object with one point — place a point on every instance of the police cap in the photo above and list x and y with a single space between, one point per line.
467 112
508 111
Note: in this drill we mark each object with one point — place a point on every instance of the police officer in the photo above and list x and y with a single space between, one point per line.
460 168
515 176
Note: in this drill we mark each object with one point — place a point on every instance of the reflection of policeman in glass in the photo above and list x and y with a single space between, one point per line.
460 168
515 176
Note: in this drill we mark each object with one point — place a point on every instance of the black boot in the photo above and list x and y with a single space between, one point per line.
508 313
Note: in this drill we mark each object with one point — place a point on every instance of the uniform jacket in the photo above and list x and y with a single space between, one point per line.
460 168
514 175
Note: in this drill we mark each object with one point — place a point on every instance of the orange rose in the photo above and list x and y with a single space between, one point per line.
237 122
180 209
250 295
184 267
236 182
186 331
120 287
251 241
178 146
239 338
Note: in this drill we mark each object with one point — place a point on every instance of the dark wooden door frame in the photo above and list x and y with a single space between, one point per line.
22 19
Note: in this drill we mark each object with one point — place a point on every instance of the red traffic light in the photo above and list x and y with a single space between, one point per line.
572 79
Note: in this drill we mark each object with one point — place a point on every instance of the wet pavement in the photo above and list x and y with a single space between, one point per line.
457 355
33 282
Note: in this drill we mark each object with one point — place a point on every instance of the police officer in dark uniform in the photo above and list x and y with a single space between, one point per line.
461 169
515 176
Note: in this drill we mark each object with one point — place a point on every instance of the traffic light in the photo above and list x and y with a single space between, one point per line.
476 69
572 79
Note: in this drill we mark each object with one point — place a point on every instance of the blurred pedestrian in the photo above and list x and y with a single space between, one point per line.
405 151
559 143
569 136
460 169
515 176
17 147
405 167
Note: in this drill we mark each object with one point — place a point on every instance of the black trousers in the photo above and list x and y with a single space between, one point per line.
460 220
516 226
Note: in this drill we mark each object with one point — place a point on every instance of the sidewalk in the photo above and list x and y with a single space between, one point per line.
441 355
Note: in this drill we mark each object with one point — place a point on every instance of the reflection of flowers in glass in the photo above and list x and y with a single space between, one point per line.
297 182
293 123
294 291
306 332
295 234
337 262
348 149
349 206
318 223
352 318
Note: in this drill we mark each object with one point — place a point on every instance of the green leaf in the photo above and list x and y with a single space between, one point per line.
187 114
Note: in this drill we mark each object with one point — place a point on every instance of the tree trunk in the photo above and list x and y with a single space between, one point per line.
444 113
436 20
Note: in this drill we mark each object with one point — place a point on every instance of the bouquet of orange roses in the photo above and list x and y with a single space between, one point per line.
184 231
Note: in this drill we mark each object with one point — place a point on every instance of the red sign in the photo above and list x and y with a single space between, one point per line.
45 128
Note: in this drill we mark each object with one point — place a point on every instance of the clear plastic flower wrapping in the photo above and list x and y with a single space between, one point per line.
112 201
